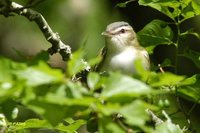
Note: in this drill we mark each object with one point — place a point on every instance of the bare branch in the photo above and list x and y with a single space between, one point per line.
155 119
7 8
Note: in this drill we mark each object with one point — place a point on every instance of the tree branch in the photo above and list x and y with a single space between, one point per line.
7 8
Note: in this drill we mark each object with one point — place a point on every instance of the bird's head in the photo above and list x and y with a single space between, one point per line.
119 35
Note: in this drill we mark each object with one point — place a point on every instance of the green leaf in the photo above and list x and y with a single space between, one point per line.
174 8
95 61
92 125
46 110
93 79
191 80
7 67
57 103
141 74
72 127
36 123
42 55
194 56
167 62
10 90
75 90
76 64
164 6
191 93
85 102
191 32
31 123
189 88
155 33
160 79
106 125
67 94
124 4
135 113
109 108
188 12
40 74
121 88
8 108
196 6
167 126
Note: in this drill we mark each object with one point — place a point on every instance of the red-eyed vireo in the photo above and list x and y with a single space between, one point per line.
122 49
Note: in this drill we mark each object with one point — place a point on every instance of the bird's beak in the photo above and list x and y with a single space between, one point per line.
106 33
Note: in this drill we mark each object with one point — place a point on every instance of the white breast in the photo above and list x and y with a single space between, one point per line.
123 61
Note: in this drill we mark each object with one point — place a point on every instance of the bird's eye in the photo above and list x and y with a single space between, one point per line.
122 30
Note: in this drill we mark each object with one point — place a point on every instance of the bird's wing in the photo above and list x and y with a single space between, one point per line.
146 55
101 54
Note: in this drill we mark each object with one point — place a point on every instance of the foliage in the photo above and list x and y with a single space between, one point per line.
155 33
105 103
56 99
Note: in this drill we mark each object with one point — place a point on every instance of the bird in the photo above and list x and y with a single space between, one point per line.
122 49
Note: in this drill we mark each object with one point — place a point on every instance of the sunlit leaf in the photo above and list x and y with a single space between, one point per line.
135 113
6 68
189 88
40 74
142 74
10 90
167 7
93 79
191 93
155 33
188 12
159 79
172 8
75 90
36 123
72 127
167 126
94 61
31 123
196 6
191 80
76 64
120 87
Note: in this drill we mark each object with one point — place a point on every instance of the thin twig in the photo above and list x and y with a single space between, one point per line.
161 69
154 118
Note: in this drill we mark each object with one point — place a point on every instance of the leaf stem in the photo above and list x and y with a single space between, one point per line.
177 45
